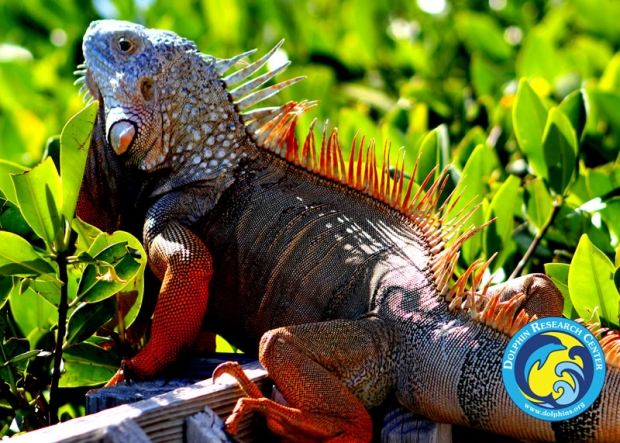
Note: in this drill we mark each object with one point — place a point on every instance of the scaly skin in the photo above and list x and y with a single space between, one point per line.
337 276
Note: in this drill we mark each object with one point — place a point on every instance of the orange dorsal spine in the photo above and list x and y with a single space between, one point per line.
275 132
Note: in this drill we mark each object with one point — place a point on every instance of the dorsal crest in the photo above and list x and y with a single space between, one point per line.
273 129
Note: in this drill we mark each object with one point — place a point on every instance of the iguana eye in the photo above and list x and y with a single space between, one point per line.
125 46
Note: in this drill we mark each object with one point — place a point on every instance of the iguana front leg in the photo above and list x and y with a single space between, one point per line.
183 263
187 269
329 373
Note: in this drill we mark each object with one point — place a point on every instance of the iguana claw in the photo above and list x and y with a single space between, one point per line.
249 388
121 375
235 370
116 378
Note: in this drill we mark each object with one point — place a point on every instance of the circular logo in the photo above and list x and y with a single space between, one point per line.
553 368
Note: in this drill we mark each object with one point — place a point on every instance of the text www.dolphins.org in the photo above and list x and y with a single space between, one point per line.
555 414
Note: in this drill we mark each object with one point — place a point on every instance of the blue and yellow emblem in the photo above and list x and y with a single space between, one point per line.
553 368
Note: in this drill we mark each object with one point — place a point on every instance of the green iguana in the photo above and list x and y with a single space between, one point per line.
336 271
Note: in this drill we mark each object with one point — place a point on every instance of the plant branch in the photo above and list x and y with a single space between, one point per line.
12 382
63 308
557 204
121 321
11 393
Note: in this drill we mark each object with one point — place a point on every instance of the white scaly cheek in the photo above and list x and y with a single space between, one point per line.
116 90
157 145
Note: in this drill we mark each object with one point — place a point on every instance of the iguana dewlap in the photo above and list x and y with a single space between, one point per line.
342 274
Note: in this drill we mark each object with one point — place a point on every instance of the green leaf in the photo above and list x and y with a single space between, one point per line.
617 278
132 293
18 257
538 203
24 284
13 348
6 285
10 349
87 233
529 118
591 283
27 356
498 235
472 248
87 318
560 150
39 196
558 273
52 149
610 80
474 137
93 287
480 32
74 143
539 58
599 183
473 185
606 105
87 364
434 151
3 321
12 220
595 317
575 107
32 312
351 121
222 346
50 291
6 183
486 77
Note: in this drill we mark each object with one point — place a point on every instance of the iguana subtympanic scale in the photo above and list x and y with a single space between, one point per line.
341 271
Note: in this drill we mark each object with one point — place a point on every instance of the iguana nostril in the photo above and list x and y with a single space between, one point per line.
121 136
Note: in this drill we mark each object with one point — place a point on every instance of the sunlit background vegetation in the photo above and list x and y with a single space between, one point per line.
404 64
437 73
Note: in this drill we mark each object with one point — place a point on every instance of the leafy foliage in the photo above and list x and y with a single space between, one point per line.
60 284
521 98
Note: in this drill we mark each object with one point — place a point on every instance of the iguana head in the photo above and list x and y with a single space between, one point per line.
126 65
166 105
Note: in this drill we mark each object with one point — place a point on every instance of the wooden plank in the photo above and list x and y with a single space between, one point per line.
188 373
126 430
162 417
205 427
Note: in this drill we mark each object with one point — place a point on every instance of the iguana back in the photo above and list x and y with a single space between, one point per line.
291 248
